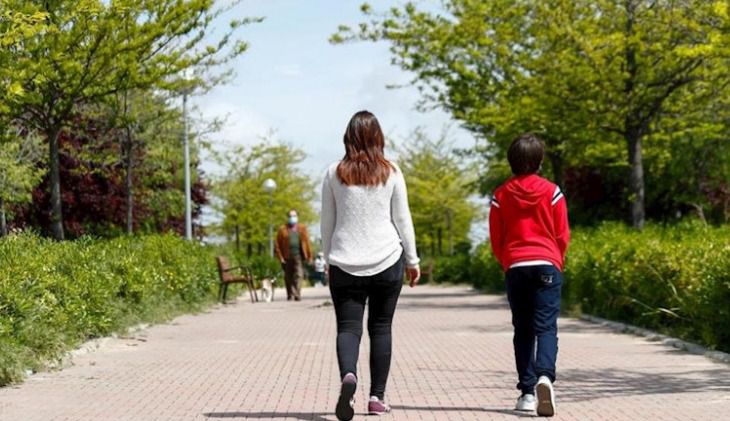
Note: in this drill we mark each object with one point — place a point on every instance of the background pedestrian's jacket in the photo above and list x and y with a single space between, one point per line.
281 247
528 220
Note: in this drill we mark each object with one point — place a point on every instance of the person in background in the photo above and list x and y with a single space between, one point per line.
369 242
528 229
320 269
292 248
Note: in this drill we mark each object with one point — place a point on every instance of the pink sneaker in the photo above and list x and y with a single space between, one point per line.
377 407
345 404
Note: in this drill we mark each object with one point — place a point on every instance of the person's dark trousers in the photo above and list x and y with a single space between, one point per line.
349 295
534 298
293 274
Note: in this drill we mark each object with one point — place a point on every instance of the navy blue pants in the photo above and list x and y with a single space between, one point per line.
534 298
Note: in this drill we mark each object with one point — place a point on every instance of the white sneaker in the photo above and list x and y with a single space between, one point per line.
526 402
545 397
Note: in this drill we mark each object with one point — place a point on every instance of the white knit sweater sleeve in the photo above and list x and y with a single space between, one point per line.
328 216
402 220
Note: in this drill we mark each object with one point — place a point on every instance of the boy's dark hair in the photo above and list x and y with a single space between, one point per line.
525 154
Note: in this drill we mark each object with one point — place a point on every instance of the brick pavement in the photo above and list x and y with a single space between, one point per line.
452 361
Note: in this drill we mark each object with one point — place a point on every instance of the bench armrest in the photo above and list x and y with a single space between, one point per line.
243 268
235 268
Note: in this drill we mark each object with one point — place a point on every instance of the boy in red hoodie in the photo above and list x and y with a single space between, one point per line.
528 226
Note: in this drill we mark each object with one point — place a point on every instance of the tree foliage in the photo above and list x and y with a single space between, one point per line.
596 79
440 184
239 197
93 178
90 50
20 154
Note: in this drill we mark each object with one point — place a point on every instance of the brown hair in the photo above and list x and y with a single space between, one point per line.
525 154
364 163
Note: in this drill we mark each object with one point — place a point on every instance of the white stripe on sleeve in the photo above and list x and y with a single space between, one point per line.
557 196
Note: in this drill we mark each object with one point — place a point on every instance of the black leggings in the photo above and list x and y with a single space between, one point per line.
349 295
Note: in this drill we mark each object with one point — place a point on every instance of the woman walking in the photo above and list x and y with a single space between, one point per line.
368 242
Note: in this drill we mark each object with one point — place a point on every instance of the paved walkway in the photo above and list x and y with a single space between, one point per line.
452 361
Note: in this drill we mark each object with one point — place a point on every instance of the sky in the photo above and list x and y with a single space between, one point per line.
293 81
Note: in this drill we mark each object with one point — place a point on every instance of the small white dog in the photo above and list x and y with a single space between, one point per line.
267 289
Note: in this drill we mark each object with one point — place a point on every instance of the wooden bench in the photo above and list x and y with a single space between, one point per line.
228 276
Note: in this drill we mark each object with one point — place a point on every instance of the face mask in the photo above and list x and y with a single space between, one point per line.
293 220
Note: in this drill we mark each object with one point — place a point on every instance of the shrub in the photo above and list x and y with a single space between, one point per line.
451 269
480 269
262 266
674 279
55 295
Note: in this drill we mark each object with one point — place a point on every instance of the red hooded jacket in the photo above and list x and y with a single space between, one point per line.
528 220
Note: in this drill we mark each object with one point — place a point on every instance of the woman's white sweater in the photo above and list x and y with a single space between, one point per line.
366 229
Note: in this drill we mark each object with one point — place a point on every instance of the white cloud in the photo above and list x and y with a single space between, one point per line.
241 126
292 80
288 70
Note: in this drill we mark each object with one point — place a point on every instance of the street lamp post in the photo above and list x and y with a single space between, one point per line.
187 76
269 187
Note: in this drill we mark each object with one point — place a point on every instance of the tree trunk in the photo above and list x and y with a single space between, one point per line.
238 240
128 148
3 223
632 125
249 245
54 174
440 248
129 184
636 180
450 232
556 161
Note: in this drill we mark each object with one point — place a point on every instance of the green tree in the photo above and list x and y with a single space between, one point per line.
19 170
90 50
137 140
440 184
239 196
688 166
15 27
639 56
18 152
159 162
139 122
587 75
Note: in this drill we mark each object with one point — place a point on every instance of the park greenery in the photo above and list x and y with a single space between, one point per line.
55 295
90 149
63 59
674 279
631 95
19 171
440 183
244 204
632 98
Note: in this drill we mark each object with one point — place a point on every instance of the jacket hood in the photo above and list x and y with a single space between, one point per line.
527 190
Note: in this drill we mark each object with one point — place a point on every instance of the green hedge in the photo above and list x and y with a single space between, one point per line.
479 269
53 295
673 279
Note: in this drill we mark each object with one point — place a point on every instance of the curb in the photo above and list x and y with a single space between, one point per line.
690 347
93 345
67 359
89 347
